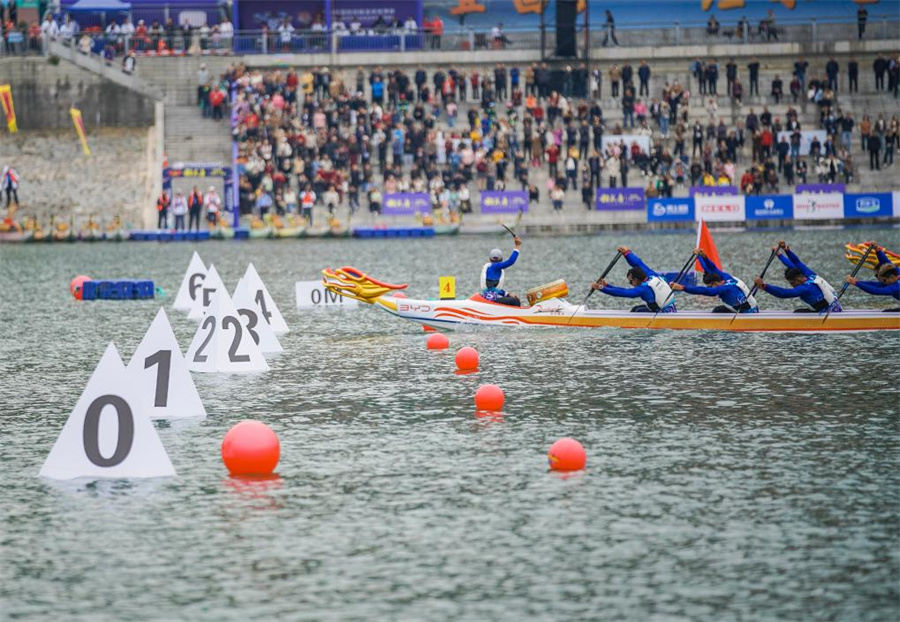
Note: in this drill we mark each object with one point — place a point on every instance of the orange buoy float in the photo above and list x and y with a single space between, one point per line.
76 284
437 341
467 359
250 448
489 397
399 295
566 454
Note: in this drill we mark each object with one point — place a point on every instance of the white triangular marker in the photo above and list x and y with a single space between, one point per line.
251 315
261 295
107 435
205 293
221 343
192 281
162 382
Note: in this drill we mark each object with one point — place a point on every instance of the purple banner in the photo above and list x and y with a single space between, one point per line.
820 188
254 14
620 199
504 202
406 204
370 11
714 191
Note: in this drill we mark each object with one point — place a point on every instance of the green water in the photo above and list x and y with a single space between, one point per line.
730 476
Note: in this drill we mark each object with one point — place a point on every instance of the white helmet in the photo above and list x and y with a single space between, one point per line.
496 255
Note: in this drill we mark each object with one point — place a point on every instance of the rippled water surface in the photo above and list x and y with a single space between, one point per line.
730 476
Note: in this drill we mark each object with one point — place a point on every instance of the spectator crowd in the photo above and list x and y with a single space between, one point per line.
311 136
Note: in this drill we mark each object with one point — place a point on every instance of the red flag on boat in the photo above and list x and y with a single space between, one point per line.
706 244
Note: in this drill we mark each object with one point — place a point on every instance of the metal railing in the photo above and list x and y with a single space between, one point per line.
211 42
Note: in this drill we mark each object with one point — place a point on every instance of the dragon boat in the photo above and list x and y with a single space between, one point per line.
854 252
549 308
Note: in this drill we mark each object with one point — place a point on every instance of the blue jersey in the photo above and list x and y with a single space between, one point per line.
495 269
876 288
729 292
809 292
643 291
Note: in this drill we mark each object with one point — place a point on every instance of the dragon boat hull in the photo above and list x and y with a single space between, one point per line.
559 313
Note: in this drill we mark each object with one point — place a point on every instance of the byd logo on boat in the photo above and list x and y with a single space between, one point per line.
868 205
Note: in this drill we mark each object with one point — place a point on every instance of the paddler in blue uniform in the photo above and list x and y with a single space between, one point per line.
493 274
888 283
732 291
805 285
646 284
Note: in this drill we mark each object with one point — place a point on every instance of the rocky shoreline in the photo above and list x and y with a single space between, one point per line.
59 181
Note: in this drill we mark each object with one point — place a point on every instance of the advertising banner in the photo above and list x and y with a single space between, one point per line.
406 204
670 210
869 205
772 207
819 206
713 190
806 138
720 209
819 188
504 201
620 199
628 139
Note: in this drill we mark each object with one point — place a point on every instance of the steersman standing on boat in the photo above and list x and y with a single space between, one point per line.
493 275
732 291
646 284
805 285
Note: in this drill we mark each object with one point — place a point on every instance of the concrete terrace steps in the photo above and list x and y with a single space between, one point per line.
191 138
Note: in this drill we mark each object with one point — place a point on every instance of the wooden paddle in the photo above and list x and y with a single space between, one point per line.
592 290
762 275
511 232
684 269
856 268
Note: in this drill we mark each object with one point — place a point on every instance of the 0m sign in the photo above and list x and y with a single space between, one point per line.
723 208
312 294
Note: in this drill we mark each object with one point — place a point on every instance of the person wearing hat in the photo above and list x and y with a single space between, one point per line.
213 205
888 283
493 274
179 209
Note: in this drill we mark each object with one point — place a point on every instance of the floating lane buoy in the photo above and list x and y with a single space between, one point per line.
467 359
566 454
75 286
250 448
489 397
437 341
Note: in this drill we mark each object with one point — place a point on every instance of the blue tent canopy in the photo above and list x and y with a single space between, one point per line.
100 5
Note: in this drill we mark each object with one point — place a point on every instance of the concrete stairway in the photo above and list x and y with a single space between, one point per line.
191 138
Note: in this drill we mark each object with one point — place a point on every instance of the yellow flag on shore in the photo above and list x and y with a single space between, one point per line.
79 128
9 110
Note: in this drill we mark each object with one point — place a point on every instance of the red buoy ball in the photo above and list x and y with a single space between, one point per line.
489 397
467 359
76 284
567 454
250 448
438 341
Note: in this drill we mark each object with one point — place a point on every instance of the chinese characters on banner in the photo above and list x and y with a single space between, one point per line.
504 202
